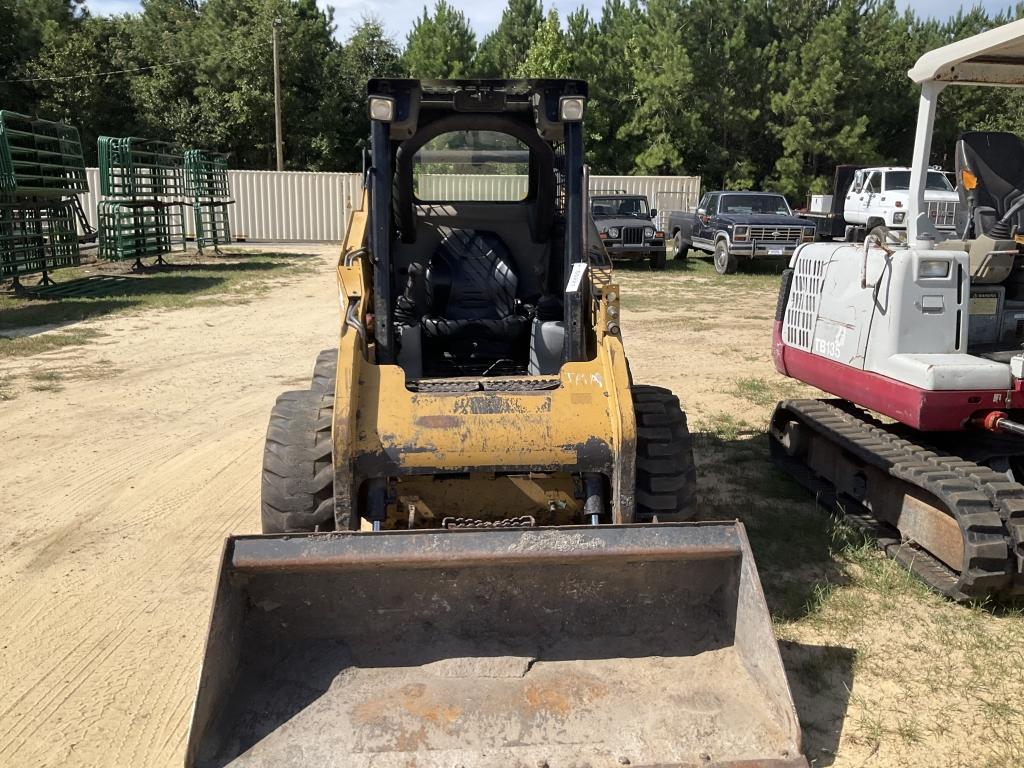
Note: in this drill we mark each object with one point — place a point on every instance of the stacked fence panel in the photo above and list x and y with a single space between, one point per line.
42 170
207 183
143 185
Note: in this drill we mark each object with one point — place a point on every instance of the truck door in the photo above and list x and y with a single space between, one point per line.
854 207
869 195
706 222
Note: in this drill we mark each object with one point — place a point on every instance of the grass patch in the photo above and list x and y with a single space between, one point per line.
46 381
6 388
24 346
235 277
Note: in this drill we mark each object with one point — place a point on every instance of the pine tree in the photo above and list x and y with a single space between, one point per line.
504 50
440 46
665 130
548 55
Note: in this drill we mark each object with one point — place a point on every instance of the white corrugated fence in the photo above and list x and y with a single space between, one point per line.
314 207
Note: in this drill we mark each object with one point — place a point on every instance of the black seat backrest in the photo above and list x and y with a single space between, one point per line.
996 160
470 277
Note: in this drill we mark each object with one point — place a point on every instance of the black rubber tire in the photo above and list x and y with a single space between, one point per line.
658 260
725 263
298 471
325 371
679 251
666 477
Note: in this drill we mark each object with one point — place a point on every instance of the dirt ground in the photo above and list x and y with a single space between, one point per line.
120 481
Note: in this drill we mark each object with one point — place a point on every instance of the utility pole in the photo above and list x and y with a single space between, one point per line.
279 140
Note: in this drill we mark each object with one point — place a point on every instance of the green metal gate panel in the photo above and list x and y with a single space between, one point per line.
40 158
213 226
206 174
140 168
37 237
136 230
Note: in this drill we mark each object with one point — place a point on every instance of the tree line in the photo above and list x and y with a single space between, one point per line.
746 93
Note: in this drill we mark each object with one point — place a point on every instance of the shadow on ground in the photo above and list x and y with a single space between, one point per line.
795 545
74 300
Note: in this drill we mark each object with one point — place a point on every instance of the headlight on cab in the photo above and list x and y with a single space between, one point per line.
613 232
937 268
740 233
898 217
648 232
808 236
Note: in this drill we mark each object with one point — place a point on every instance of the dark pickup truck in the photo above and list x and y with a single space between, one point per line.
738 225
626 226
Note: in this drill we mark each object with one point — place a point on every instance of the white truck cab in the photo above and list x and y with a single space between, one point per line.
880 197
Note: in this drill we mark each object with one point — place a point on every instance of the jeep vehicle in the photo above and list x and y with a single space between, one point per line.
735 226
625 224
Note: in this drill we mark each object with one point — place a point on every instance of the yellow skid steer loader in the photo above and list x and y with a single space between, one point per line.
476 544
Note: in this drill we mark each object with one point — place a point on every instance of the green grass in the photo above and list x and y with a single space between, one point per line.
238 277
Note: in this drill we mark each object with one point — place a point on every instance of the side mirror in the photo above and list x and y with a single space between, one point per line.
702 211
654 212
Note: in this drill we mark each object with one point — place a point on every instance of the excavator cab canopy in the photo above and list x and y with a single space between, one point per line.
993 58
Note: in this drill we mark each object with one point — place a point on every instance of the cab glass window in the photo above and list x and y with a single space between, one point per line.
471 166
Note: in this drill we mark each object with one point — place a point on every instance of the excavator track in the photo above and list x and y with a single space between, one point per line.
987 507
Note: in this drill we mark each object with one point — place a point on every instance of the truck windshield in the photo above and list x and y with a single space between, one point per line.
619 206
771 204
896 180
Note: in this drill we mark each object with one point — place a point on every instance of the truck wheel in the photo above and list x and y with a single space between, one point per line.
325 371
658 260
679 251
666 477
725 262
298 471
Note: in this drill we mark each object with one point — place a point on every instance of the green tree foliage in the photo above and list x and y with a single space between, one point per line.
504 50
442 45
549 54
745 93
665 130
368 53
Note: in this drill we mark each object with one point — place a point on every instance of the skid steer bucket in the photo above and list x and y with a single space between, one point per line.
645 645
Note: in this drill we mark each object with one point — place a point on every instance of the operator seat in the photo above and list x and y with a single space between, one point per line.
464 306
990 176
996 160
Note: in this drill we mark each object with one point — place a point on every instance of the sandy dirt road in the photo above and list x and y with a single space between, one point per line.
117 494
119 488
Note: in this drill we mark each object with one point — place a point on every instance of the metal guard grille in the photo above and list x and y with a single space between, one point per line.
802 308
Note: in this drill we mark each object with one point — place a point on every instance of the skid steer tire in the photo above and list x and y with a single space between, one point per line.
325 372
298 471
666 477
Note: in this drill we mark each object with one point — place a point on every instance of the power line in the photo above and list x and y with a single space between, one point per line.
62 78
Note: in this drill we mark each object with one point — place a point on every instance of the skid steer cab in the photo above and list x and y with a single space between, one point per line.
480 376
476 543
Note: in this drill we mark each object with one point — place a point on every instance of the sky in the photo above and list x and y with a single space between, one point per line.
398 15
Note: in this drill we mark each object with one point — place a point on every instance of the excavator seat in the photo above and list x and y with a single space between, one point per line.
990 175
994 164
